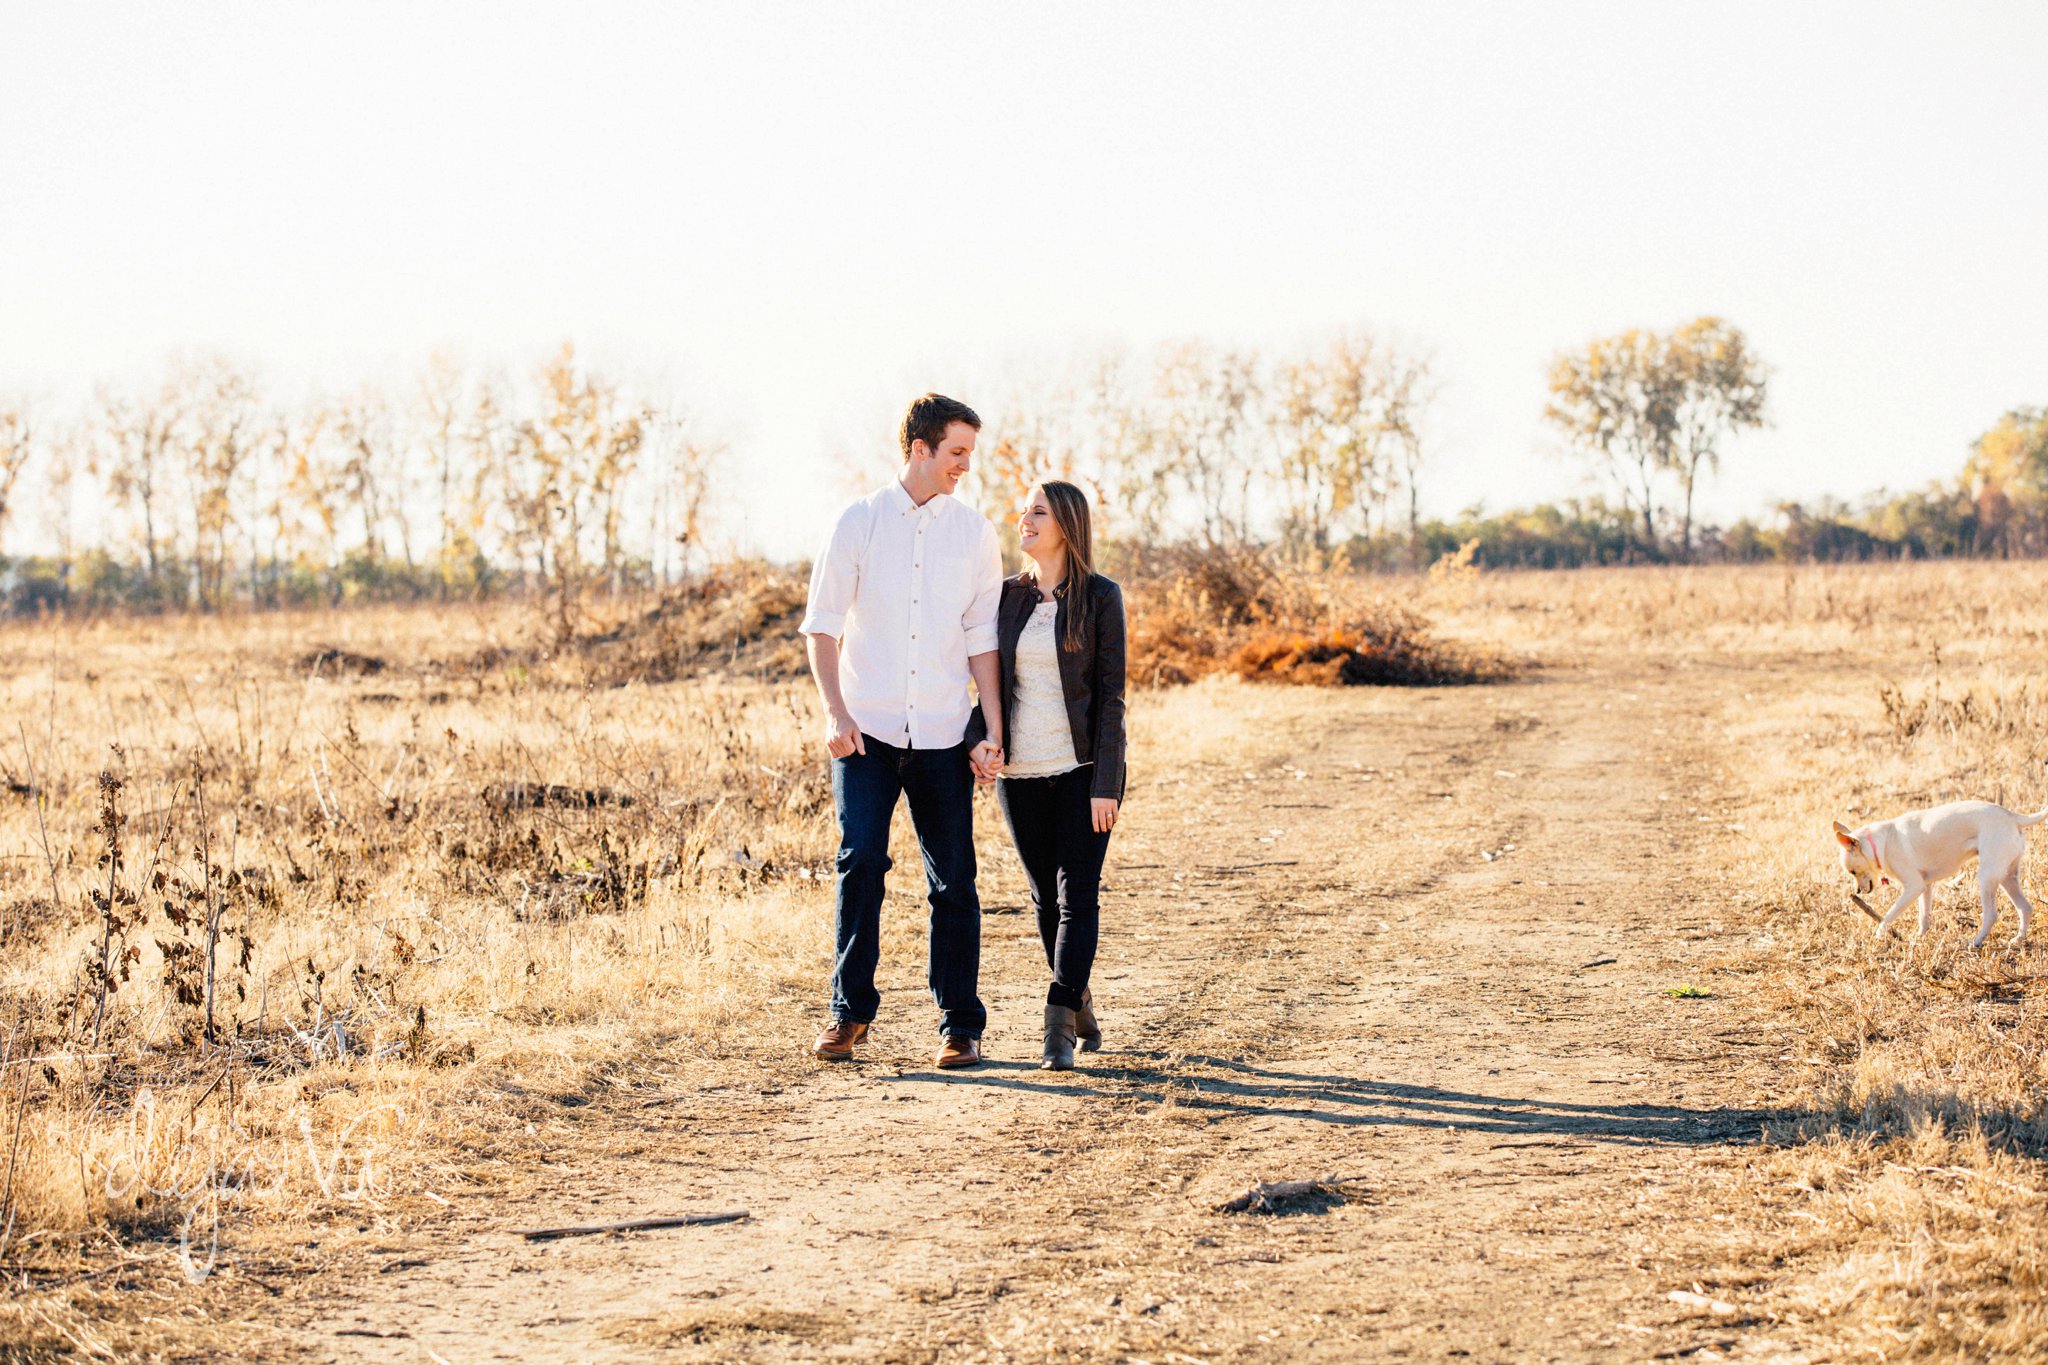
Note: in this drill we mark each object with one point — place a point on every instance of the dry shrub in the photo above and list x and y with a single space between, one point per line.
1193 613
415 899
2007 713
1932 1245
1395 650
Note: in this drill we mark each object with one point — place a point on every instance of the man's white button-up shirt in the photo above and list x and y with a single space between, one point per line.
910 593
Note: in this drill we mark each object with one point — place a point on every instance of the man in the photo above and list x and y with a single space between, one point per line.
902 614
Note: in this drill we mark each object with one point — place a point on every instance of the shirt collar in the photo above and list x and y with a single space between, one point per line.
899 499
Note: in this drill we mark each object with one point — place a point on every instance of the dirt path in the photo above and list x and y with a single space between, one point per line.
1311 967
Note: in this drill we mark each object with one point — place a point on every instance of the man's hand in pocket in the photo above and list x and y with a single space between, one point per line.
842 736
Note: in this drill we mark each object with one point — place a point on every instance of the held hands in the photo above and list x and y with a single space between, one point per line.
842 736
1103 810
987 760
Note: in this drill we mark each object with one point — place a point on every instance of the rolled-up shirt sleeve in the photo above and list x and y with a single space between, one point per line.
979 620
835 576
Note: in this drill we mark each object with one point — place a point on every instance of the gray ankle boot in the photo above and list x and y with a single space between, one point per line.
1085 1027
1059 1039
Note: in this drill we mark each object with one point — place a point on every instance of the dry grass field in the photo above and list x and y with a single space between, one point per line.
1556 972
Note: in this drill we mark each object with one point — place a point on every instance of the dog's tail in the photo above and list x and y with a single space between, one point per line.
2036 818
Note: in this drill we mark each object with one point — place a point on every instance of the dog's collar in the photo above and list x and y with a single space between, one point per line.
1875 861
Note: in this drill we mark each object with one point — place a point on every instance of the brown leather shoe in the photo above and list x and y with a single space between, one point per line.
837 1042
959 1050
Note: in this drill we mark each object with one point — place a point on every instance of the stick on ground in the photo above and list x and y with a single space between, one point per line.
681 1220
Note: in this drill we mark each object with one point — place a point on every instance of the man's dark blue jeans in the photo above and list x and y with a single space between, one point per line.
939 784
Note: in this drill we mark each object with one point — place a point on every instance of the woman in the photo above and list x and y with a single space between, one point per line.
1060 639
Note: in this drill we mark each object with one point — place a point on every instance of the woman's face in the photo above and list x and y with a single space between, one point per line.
1037 533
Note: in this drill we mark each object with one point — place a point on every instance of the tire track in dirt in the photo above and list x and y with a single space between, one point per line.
1310 967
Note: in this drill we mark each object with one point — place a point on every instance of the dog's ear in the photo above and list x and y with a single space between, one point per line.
1845 836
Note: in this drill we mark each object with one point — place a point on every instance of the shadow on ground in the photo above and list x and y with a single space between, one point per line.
1239 1090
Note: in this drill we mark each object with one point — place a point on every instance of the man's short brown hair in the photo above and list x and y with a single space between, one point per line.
929 417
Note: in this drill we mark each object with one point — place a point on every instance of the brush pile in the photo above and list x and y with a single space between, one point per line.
1193 613
739 618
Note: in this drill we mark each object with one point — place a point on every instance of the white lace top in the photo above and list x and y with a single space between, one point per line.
1041 737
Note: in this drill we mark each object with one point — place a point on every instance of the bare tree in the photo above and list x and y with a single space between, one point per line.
1721 387
510 493
1408 391
1302 435
1042 426
1331 435
684 461
442 403
369 450
1036 443
1103 434
482 433
135 440
18 441
217 444
314 495
68 456
579 451
1206 432
1644 403
277 496
1617 401
1112 433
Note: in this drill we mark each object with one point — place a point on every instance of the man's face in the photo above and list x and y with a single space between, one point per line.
954 457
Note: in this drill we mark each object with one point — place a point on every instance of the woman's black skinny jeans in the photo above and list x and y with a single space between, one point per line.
1051 821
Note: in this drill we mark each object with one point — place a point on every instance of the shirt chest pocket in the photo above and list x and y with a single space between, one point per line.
949 583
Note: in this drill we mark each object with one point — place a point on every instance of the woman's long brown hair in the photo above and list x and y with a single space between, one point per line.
1069 506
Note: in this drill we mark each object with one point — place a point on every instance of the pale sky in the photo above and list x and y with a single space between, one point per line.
806 214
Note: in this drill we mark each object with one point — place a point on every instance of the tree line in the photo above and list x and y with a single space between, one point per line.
1994 507
1321 452
202 490
199 490
1227 446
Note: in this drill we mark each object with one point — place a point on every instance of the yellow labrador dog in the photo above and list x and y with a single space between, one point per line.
1924 847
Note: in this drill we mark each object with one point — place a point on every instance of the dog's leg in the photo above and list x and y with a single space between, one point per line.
1907 890
1987 886
2019 903
1926 911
